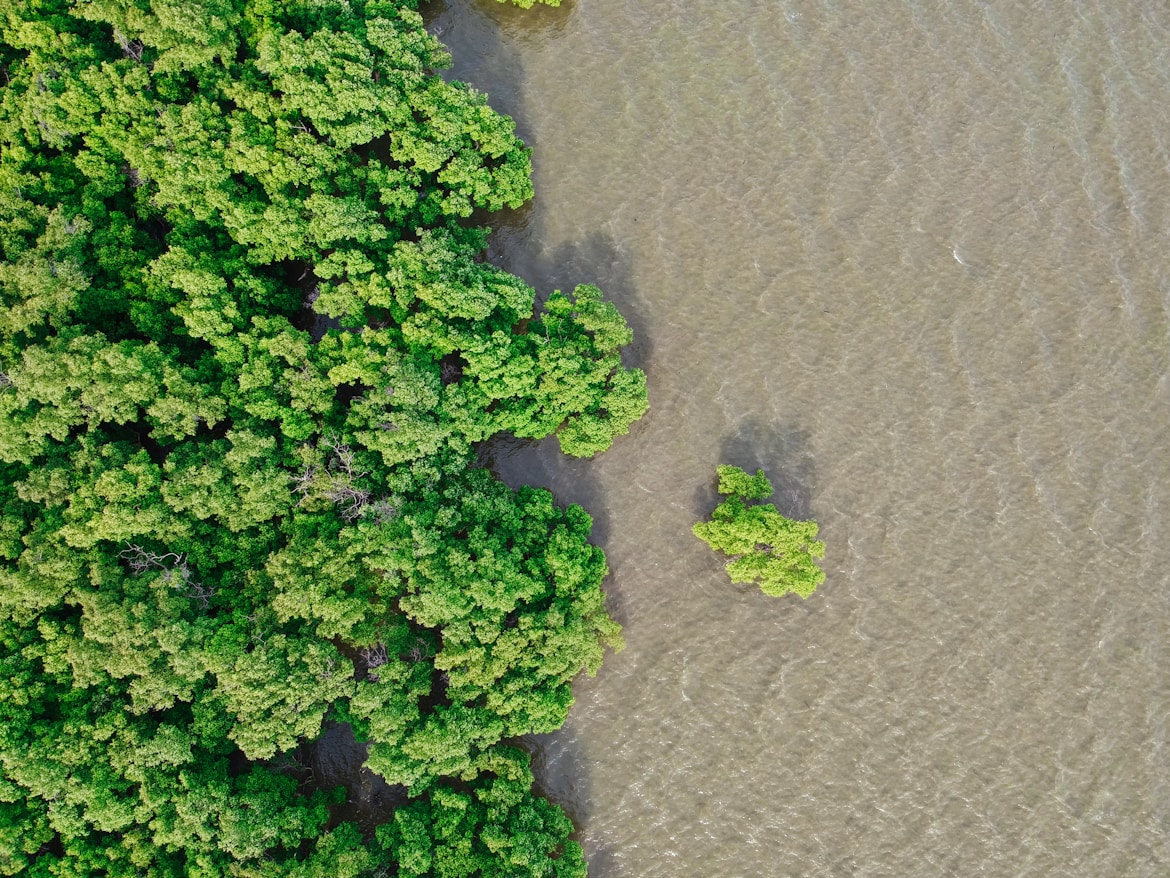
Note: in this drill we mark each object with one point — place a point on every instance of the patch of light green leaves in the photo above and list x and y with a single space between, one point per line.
766 548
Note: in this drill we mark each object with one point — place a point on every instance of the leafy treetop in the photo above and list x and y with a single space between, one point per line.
765 547
248 344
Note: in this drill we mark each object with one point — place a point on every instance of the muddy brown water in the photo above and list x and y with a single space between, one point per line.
909 258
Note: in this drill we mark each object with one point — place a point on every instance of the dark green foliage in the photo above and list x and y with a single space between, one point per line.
776 552
225 522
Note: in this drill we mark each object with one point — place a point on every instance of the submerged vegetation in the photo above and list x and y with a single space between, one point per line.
528 4
248 346
765 547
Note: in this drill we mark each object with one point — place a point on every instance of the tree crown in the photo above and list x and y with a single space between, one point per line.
776 552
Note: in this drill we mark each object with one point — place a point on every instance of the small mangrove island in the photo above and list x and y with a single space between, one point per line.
777 553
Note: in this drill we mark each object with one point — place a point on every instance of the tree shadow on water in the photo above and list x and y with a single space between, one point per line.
560 764
480 55
487 40
562 777
596 260
782 452
536 21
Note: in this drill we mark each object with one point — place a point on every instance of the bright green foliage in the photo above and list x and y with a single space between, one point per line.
127 793
492 827
766 548
278 690
511 583
248 344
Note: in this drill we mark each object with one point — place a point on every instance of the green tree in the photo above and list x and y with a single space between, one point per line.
502 596
226 521
492 827
765 547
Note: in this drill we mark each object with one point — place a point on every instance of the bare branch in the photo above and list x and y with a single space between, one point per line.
303 482
355 498
175 570
200 593
374 657
419 651
140 560
130 48
343 458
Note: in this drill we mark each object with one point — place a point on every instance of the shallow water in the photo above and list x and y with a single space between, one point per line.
909 258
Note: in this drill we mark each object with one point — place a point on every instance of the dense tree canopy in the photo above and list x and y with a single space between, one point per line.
767 548
248 345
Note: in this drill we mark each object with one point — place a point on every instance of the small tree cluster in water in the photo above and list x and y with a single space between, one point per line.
765 547
222 527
